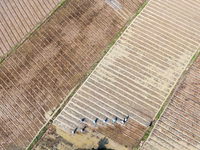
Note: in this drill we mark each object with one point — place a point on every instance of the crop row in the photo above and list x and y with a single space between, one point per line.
20 17
137 75
40 74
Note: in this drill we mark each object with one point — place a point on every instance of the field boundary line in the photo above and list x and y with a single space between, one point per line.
166 103
85 77
2 58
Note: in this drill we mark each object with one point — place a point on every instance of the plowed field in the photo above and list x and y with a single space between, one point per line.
18 18
179 126
138 73
41 73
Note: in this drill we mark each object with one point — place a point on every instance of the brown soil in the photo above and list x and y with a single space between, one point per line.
117 135
40 74
179 124
19 18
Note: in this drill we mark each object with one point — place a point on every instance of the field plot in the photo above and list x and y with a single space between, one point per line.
18 18
40 74
137 74
179 126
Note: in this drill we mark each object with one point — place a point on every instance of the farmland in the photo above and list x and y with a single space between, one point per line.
179 125
18 18
137 74
39 75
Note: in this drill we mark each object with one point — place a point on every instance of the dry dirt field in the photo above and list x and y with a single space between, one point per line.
179 126
57 138
137 74
19 17
41 73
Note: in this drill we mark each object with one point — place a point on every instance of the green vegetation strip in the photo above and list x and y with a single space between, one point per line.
44 129
6 55
124 28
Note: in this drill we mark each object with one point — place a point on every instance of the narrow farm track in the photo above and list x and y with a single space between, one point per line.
38 76
179 125
137 74
18 18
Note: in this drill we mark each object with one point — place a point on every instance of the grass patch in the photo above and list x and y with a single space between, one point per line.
7 54
113 41
138 12
44 129
145 136
61 3
147 133
195 57
162 109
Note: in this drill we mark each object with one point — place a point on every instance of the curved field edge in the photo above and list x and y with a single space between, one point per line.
62 105
31 32
167 101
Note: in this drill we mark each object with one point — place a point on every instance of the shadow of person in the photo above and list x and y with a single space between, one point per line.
102 143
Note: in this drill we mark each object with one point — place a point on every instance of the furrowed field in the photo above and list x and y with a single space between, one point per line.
39 75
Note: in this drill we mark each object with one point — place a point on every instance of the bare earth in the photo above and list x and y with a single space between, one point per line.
137 74
20 17
57 138
179 126
41 73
